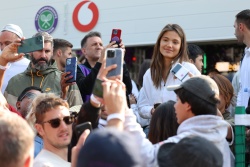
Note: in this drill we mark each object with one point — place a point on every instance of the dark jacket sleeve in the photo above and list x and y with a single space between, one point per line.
127 80
86 83
89 113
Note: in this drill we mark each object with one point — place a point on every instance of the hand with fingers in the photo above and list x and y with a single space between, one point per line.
75 150
9 53
65 76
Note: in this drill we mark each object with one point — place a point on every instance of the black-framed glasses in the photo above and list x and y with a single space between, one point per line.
55 123
29 95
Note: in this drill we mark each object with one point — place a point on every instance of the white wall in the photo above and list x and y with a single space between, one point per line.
140 20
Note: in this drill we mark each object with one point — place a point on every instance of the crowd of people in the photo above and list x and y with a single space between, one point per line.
168 122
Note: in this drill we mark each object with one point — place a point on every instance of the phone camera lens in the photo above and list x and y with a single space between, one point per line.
115 32
111 54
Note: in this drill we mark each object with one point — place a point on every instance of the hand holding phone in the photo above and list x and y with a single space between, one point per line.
115 56
71 66
116 36
79 129
31 44
180 72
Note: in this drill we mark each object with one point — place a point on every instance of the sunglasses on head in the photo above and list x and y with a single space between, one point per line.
55 123
29 95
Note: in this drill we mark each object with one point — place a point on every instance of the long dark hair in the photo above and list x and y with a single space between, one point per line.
157 65
163 123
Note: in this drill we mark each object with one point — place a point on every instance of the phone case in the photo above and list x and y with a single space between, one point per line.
114 56
79 129
180 72
116 36
31 45
71 65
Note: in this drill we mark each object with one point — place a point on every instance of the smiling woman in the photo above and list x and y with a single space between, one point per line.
170 49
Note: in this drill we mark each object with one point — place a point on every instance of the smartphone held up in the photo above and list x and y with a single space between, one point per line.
31 44
71 66
116 36
180 72
115 56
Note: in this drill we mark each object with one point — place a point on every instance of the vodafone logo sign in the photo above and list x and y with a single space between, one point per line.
85 16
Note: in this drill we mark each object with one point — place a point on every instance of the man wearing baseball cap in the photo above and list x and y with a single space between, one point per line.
196 112
9 34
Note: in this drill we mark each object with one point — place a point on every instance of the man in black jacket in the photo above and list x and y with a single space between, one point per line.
92 47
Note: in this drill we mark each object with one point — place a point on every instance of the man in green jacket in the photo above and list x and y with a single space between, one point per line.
43 73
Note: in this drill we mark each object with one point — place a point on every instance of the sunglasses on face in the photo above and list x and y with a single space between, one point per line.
29 95
55 123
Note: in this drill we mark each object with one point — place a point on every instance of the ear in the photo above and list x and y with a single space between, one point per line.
18 105
59 52
39 129
83 51
191 61
241 26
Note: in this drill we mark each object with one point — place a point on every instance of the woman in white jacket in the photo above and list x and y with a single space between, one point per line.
170 49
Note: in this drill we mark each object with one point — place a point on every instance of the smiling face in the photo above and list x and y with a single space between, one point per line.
7 38
59 137
170 45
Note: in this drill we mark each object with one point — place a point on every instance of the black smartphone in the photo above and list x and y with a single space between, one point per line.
116 36
115 56
31 44
71 66
79 129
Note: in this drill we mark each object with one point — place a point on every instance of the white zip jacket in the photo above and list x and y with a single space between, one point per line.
149 95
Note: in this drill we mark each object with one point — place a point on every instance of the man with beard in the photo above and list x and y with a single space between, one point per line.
54 125
42 72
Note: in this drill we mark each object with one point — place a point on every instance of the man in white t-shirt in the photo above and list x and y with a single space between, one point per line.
9 34
54 125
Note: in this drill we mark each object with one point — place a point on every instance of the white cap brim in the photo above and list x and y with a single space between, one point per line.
173 87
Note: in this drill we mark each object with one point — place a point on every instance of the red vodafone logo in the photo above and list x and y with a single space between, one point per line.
92 23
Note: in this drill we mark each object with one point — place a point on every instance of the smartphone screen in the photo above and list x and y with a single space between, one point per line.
71 66
114 56
31 44
79 129
116 36
180 72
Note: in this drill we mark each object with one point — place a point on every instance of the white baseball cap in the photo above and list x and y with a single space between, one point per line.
13 28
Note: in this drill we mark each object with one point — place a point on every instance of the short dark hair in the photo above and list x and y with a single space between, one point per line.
89 35
194 51
61 44
198 105
28 89
244 17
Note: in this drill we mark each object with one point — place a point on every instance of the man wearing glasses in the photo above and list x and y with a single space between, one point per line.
25 99
54 125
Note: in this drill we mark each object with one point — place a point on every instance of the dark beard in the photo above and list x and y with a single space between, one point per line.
40 67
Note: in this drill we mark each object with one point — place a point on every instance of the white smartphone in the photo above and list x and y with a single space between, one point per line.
115 56
180 72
